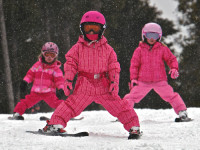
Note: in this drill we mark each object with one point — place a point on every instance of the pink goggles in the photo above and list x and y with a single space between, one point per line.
152 35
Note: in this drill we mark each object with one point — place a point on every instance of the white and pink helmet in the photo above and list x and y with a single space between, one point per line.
93 16
50 47
152 27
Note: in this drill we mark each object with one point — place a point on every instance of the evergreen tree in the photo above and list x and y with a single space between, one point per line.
189 66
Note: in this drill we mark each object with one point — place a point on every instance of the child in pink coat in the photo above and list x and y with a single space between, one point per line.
147 70
46 76
95 62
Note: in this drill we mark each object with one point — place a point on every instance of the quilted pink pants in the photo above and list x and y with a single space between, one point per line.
33 98
76 103
165 91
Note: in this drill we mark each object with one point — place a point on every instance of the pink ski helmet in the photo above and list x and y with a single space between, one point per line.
93 17
50 47
152 27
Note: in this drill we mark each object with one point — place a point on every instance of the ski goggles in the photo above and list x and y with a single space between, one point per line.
152 35
92 27
49 54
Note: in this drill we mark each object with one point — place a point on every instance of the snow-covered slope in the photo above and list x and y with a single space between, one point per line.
160 132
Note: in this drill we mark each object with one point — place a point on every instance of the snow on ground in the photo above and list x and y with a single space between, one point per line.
160 132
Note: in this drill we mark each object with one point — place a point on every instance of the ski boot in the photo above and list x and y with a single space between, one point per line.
16 116
183 117
134 133
56 129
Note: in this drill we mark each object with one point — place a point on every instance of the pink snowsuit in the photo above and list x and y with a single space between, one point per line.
92 61
46 78
148 68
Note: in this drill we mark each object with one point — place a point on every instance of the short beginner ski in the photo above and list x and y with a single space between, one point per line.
79 134
16 118
183 120
43 118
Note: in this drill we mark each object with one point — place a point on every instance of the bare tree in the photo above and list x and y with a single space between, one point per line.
4 44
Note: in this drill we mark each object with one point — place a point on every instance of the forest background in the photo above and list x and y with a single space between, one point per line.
27 24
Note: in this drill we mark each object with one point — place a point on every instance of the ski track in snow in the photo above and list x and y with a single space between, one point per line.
160 132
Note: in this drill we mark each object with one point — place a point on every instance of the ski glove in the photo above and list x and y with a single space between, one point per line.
60 94
114 88
132 84
68 87
23 86
174 73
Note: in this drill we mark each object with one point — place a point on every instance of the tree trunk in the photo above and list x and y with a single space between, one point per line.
66 34
7 70
48 28
16 88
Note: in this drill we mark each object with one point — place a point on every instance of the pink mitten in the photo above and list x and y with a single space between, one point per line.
67 87
132 84
114 89
174 73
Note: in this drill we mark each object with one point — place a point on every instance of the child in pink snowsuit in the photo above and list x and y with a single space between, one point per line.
46 76
147 70
95 62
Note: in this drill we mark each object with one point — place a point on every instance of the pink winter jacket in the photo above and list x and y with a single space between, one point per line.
96 57
45 78
148 64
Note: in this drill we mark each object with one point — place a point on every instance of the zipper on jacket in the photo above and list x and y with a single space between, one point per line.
150 48
41 78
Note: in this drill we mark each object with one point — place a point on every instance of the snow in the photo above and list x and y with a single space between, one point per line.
160 132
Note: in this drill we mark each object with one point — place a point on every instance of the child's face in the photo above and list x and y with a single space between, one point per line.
152 37
92 31
151 41
49 57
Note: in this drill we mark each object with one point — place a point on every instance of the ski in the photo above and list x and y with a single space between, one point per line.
81 118
183 120
115 120
43 118
16 118
79 134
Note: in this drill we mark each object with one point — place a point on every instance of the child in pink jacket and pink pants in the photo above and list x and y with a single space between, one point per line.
147 70
95 62
46 76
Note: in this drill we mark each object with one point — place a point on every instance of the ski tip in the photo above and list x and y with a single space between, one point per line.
74 119
115 120
43 118
84 133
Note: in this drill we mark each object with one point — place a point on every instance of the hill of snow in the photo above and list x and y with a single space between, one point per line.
160 132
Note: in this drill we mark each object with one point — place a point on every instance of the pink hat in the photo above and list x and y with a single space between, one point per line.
93 16
50 47
151 27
